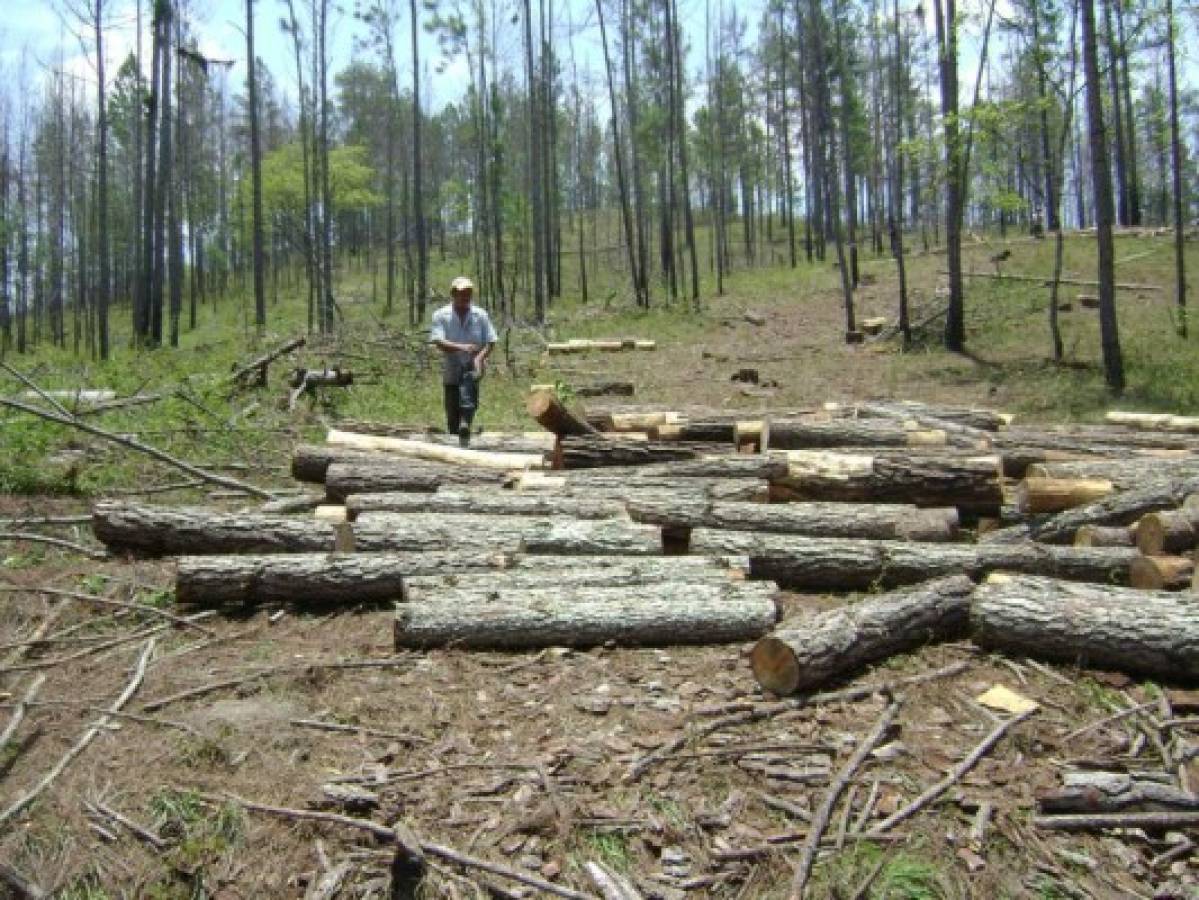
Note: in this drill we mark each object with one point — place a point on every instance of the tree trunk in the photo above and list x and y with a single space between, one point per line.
645 490
483 501
592 451
552 415
969 483
852 565
659 615
1176 160
1145 633
1119 509
404 476
464 589
418 197
947 58
332 579
808 652
1113 364
842 520
400 448
1124 474
796 434
255 173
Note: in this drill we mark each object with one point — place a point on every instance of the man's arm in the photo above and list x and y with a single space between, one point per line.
489 342
438 339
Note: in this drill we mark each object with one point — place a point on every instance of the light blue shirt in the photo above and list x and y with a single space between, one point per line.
474 328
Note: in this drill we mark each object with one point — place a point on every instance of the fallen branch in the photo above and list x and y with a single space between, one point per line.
132 717
1077 282
106 601
389 834
19 884
258 366
611 885
1097 821
357 729
743 714
40 521
133 444
90 552
18 714
99 809
803 868
79 746
955 775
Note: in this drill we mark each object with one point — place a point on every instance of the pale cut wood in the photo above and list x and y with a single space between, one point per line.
807 652
972 483
1123 508
552 415
1156 421
840 564
1105 536
1152 633
633 421
1036 496
847 520
663 614
510 441
1161 573
752 435
404 448
316 578
486 501
329 512
1166 531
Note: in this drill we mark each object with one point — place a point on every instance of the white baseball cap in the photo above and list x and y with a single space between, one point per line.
461 283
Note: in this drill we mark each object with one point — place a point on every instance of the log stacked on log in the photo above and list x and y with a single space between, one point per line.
590 452
552 415
487 502
1154 421
971 483
423 450
799 434
344 479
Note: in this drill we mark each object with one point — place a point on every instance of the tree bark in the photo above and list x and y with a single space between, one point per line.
486 502
795 434
969 483
843 520
399 448
1119 509
718 466
316 578
842 564
1146 633
408 476
1123 473
647 490
465 589
588 452
808 652
1035 496
1176 166
664 614
1108 792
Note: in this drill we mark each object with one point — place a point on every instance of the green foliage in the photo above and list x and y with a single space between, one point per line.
200 833
610 847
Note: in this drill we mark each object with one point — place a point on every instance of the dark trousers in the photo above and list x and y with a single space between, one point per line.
461 401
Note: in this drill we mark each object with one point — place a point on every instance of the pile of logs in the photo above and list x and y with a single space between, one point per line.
656 527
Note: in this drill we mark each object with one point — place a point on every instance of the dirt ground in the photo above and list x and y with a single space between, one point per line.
523 760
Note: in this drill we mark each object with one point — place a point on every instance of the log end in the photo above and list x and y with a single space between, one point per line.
775 666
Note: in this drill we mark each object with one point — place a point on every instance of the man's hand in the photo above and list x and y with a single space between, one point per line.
480 365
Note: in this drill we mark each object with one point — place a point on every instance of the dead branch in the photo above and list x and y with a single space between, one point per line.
19 884
90 552
389 834
820 820
611 885
1107 720
1099 821
258 366
79 746
955 775
18 713
185 621
133 444
96 648
357 729
132 717
742 713
99 809
40 521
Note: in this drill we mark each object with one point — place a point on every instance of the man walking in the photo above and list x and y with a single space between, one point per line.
465 336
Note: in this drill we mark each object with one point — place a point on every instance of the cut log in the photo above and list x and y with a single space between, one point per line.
836 564
345 479
928 415
1124 474
1095 440
588 452
695 432
657 615
402 448
604 389
751 435
533 534
727 466
331 513
1150 633
552 415
1049 495
1095 792
1166 531
796 434
310 462
609 421
484 501
847 520
510 442
1161 573
1123 508
316 578
1104 536
465 589
654 568
971 483
874 324
812 650
659 490
1154 421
